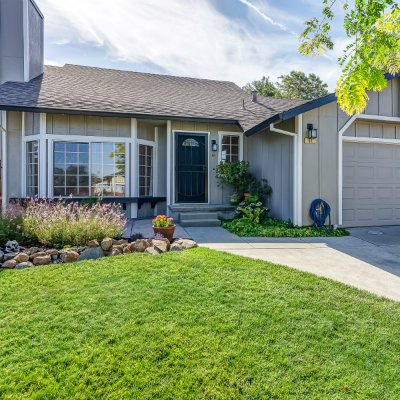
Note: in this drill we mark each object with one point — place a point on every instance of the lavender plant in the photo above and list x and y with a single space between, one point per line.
57 222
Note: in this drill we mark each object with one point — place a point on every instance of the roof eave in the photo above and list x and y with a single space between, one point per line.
117 114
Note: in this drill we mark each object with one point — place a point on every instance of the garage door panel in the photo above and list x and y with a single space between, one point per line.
371 184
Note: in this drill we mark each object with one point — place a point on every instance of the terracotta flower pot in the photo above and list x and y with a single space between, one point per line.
247 195
166 231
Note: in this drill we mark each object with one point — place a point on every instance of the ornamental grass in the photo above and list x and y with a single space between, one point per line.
60 223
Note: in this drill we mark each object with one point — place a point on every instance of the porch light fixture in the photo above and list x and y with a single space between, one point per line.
214 145
312 132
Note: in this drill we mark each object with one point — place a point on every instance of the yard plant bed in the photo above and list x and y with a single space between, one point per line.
271 227
198 324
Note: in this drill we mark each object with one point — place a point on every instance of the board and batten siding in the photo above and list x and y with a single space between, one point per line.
271 157
82 125
14 155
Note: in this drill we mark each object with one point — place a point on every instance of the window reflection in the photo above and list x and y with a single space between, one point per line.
74 173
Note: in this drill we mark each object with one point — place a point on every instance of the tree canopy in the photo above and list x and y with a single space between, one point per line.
295 85
373 28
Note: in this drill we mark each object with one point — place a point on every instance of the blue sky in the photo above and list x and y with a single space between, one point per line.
236 40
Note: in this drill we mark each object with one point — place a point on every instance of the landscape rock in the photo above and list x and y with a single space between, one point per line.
122 241
69 256
91 254
42 260
106 244
93 243
1 255
9 256
12 246
140 245
127 249
38 254
152 250
161 245
183 244
52 252
118 247
21 257
10 264
23 265
33 250
115 251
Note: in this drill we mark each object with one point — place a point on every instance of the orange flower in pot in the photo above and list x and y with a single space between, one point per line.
164 226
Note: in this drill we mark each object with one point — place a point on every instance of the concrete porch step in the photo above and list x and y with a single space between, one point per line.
200 222
198 215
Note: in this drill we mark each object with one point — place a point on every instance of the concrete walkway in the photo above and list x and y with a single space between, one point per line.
350 260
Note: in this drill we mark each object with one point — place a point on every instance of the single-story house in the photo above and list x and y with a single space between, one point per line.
152 142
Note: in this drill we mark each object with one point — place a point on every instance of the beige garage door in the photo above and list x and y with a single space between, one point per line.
371 184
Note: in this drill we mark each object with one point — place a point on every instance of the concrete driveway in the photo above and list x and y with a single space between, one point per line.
369 259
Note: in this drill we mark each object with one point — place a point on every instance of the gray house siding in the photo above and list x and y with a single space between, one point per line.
320 160
14 155
271 157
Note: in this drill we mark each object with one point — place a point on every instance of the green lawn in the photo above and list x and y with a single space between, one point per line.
192 325
272 227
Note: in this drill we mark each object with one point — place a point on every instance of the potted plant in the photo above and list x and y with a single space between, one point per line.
164 226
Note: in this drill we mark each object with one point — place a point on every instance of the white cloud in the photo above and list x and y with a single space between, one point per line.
189 38
266 17
52 62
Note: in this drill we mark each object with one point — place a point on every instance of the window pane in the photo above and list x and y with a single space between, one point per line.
145 170
73 174
59 146
32 168
230 148
72 147
108 169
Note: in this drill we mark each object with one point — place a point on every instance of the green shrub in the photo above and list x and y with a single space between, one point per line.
251 210
237 175
271 227
57 222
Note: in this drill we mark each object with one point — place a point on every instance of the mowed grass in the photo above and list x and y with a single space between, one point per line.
194 325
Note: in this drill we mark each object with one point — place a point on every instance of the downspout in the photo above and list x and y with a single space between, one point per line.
297 167
3 129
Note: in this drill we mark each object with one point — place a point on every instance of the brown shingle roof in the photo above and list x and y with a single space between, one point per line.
74 88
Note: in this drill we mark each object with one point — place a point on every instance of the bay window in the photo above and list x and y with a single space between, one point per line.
88 169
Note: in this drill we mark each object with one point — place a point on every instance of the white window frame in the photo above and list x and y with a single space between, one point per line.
154 163
227 133
208 134
86 139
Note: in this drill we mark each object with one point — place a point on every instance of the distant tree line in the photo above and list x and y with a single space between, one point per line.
295 85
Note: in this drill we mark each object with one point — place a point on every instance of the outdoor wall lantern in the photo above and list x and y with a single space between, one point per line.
214 145
312 132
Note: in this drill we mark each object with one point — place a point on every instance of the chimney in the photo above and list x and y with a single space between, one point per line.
254 96
21 40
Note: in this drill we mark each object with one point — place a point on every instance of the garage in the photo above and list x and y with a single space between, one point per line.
371 184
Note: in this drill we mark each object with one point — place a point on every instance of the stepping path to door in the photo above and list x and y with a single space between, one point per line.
349 260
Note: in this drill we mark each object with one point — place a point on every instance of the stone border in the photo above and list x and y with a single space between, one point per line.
17 257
